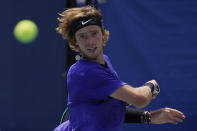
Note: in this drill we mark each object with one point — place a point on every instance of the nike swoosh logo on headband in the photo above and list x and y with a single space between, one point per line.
85 22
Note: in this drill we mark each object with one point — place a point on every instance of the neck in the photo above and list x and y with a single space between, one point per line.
102 60
99 59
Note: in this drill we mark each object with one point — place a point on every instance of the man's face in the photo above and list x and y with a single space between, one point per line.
90 42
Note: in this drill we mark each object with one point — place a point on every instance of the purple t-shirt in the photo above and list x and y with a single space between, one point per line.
90 107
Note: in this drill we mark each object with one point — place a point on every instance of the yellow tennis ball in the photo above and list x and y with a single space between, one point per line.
26 31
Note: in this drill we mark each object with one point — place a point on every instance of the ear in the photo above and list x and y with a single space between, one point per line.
104 44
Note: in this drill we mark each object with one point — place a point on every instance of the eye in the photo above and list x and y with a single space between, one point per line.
82 36
94 33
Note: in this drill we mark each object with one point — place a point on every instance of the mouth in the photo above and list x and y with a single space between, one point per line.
91 50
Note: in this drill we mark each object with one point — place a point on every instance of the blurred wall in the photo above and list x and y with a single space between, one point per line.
156 39
32 89
148 40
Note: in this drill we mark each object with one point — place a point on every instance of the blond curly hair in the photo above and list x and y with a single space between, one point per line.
67 18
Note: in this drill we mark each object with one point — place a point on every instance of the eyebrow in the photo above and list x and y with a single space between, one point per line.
87 32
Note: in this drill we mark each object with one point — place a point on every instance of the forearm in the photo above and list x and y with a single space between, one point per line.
148 91
138 97
145 93
134 96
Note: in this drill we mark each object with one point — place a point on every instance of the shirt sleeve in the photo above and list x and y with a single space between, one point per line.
101 82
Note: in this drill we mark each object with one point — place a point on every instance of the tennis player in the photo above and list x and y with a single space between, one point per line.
97 98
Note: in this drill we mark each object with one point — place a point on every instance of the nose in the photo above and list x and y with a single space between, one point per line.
90 41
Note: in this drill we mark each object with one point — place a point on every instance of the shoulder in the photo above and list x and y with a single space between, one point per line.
78 67
83 67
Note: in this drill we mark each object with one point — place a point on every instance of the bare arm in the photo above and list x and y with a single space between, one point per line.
139 97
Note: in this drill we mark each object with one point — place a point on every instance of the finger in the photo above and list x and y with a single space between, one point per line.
172 121
175 120
179 120
177 113
154 96
153 82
